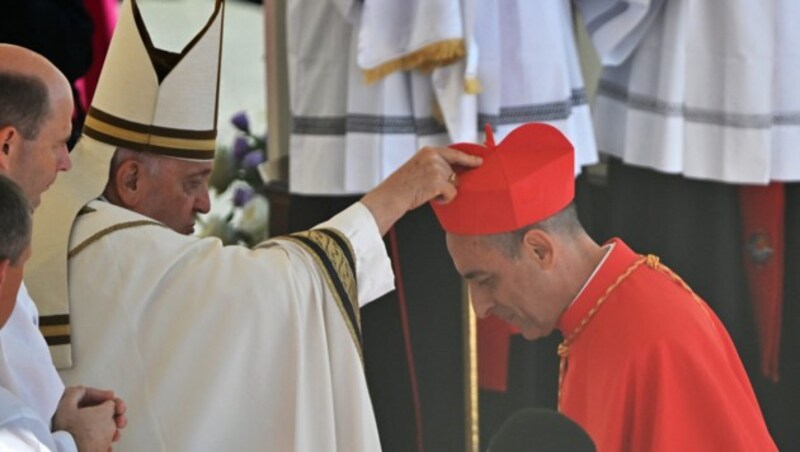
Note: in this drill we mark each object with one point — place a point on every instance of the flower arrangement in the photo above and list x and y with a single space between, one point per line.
237 182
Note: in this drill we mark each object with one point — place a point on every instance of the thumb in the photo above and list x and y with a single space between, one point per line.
447 194
73 395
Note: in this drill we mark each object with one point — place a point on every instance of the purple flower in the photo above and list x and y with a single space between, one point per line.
241 195
253 158
241 122
241 146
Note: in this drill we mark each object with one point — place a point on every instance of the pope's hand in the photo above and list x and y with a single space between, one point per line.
428 175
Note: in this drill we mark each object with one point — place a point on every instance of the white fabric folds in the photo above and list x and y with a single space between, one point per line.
225 348
710 93
348 135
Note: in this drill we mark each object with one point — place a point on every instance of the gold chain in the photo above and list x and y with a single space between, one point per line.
563 348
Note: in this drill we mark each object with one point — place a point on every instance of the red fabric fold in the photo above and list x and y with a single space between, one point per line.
494 337
762 210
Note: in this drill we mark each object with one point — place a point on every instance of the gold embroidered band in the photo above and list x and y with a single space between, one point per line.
117 227
158 140
334 256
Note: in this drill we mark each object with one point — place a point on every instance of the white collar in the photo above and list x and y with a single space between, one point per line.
608 248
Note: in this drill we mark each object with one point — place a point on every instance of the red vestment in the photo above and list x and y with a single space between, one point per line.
655 369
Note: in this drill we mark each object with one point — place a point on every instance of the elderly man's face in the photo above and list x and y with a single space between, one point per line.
513 289
176 192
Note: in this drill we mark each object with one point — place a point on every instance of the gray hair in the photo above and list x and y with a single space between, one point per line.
149 161
564 222
15 221
24 103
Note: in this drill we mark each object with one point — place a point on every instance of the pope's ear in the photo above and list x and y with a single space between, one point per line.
540 246
128 182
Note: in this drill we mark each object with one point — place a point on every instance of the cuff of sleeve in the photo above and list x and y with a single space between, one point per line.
373 267
64 442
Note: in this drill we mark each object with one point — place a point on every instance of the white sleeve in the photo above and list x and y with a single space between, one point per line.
373 267
15 437
64 441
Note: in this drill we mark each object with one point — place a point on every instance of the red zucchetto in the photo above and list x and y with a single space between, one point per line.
524 179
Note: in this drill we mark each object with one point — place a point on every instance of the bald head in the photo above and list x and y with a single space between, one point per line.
35 120
27 62
28 85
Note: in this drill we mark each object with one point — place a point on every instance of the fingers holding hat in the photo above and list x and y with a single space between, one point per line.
429 174
448 192
455 158
442 181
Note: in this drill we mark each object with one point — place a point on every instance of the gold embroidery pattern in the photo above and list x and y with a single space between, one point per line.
563 347
117 227
336 254
332 259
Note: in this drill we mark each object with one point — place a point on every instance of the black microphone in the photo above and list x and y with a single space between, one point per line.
540 430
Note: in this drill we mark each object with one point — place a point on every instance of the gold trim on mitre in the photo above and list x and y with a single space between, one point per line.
157 140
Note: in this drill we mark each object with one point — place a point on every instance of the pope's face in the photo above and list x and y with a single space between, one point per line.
514 289
176 192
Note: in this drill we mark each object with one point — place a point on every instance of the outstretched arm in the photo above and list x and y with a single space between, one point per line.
425 176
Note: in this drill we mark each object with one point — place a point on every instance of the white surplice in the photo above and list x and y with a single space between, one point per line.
27 370
348 135
21 429
709 91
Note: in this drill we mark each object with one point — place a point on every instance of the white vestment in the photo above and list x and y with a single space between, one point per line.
710 90
26 368
21 429
224 348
